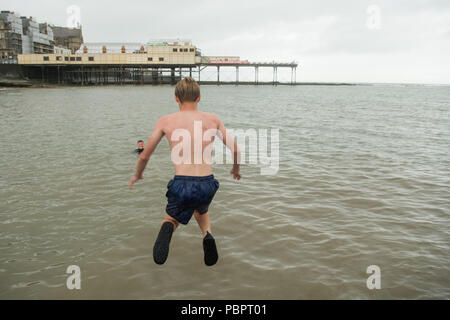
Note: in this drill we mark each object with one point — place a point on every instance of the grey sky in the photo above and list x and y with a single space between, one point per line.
329 39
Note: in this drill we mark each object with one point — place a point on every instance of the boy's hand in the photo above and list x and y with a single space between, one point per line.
133 180
236 174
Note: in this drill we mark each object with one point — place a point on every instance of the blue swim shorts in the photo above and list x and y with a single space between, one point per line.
188 193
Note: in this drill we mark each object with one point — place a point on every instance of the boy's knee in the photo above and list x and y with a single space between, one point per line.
198 215
168 218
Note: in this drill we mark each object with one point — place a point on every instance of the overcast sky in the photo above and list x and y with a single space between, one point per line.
347 40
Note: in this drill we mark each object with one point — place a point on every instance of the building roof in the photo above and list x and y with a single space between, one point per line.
62 32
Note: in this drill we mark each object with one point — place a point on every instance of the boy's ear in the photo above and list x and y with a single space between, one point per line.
198 99
176 99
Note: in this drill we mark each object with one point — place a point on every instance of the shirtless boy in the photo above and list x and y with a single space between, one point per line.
192 189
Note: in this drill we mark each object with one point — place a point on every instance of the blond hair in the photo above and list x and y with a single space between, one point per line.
187 90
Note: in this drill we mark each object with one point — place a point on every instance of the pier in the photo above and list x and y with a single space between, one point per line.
157 62
89 74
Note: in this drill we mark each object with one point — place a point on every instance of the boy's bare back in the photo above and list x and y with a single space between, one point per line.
174 125
200 129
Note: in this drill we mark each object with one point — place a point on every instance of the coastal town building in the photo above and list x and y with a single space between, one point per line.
70 38
156 52
22 35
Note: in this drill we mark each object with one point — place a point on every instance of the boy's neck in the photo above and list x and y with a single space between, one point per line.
188 106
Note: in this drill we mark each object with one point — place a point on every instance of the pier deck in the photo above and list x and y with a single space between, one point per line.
98 74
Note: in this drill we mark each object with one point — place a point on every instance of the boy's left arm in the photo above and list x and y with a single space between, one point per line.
144 157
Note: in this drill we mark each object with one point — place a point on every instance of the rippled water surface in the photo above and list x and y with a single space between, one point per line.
364 179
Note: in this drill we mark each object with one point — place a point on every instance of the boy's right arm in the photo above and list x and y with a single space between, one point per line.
151 145
232 145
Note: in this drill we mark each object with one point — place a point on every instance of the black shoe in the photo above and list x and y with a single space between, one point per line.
210 250
161 247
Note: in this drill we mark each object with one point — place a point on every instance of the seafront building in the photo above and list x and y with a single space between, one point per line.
159 52
70 38
22 35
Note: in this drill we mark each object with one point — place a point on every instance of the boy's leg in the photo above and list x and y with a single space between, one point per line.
170 219
209 244
161 247
203 222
